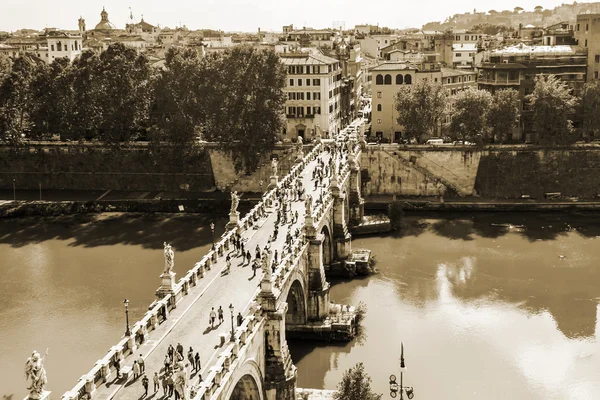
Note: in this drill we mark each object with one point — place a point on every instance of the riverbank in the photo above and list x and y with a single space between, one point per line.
474 204
15 209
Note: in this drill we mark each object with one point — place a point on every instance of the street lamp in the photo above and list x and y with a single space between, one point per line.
232 333
394 388
127 330
212 230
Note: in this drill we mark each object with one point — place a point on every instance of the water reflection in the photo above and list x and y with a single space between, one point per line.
485 311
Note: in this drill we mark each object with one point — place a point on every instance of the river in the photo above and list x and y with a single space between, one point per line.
485 312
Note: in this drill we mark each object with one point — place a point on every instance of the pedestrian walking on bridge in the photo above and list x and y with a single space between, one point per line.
145 384
220 311
212 317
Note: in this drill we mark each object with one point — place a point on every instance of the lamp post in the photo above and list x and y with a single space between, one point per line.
232 333
394 388
212 230
14 189
127 329
261 184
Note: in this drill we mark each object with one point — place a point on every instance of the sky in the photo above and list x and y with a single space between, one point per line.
246 15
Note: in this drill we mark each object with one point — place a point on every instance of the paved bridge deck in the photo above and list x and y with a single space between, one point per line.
188 324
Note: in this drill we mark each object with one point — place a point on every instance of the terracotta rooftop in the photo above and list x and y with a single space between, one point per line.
393 66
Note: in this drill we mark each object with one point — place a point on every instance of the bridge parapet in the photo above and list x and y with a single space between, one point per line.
220 374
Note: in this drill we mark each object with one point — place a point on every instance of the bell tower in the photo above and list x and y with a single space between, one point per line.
81 25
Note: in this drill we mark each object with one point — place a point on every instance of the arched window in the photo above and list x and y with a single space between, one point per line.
379 80
388 79
399 79
378 107
407 79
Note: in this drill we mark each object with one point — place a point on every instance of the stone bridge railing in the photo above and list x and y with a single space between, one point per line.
159 310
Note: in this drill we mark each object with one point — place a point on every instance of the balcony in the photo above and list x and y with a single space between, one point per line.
499 81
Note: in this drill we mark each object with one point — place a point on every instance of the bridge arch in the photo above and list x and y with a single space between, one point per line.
296 301
327 248
248 383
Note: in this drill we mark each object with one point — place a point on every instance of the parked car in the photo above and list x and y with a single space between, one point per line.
435 141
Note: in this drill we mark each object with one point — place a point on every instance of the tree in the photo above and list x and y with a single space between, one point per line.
123 95
503 114
15 98
420 107
553 106
5 66
245 104
355 385
81 101
50 91
590 109
469 113
180 97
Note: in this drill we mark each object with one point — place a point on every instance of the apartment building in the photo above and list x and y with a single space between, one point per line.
587 34
313 91
387 78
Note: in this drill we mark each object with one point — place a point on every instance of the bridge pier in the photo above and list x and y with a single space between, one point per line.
318 287
280 372
357 202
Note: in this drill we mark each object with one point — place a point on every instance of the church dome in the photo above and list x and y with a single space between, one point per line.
104 23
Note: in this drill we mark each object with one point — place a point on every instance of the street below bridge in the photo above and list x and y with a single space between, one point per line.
189 324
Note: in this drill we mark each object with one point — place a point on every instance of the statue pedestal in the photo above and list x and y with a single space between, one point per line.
274 181
234 220
299 156
167 284
45 395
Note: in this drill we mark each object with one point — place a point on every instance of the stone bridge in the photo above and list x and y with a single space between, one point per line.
249 359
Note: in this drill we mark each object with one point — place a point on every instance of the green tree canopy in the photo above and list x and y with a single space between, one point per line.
245 103
469 113
590 107
123 79
49 104
503 114
15 98
553 107
355 385
420 106
180 98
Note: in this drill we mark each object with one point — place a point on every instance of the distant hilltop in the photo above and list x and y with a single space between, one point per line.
537 17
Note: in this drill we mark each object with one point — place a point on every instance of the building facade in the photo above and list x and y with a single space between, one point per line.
386 79
62 44
587 34
313 90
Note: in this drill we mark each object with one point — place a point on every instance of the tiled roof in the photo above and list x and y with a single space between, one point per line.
306 58
449 72
393 66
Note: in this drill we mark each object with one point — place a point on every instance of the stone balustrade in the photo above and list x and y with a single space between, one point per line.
251 324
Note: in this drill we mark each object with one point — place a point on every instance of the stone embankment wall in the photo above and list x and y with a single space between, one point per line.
226 178
496 172
418 172
92 167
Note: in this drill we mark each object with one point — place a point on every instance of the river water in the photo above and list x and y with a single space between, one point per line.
485 312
